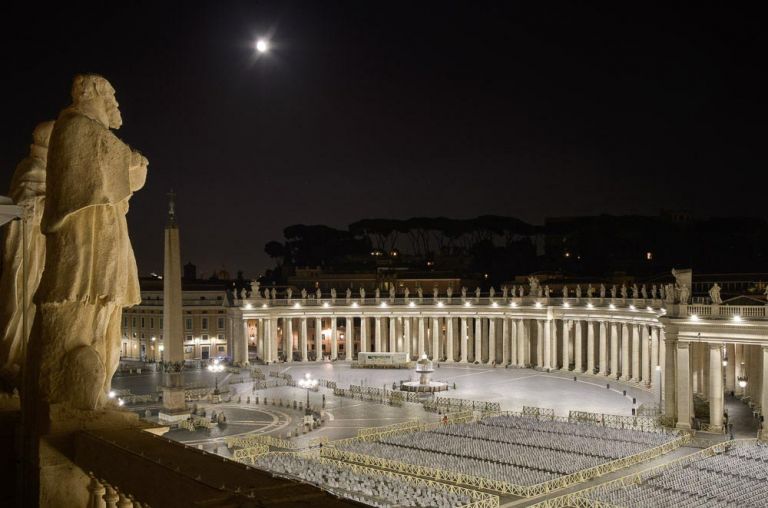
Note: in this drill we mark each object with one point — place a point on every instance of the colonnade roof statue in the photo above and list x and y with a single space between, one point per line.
28 191
90 271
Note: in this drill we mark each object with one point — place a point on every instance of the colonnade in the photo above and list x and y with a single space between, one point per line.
618 349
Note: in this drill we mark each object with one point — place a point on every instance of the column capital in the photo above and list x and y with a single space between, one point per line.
682 344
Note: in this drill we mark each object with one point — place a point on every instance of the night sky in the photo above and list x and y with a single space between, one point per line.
399 109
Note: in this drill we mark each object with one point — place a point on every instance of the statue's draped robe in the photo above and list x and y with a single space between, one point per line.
90 271
28 191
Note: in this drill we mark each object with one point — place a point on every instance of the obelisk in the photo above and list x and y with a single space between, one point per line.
174 404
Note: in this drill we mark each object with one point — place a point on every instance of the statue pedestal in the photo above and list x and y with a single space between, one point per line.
174 399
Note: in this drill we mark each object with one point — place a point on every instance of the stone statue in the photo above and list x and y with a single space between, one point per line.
684 294
234 294
533 284
765 293
613 291
449 292
624 291
362 293
255 292
392 293
590 291
635 292
662 292
435 292
348 295
491 293
504 292
274 294
266 293
644 292
303 294
565 291
28 191
546 291
318 294
243 294
406 293
653 292
578 291
521 290
377 295
512 291
333 295
289 294
602 290
464 293
477 294
714 294
90 271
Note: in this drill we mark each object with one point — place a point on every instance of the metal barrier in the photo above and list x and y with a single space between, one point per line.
250 454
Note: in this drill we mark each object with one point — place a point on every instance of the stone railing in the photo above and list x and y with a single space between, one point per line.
102 494
720 311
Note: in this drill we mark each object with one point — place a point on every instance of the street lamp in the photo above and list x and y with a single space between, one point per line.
162 348
216 367
308 383
262 45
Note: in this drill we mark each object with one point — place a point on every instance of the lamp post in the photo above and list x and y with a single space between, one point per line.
216 367
308 383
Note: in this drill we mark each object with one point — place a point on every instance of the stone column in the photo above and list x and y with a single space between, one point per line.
245 339
422 337
408 337
303 339
764 382
349 336
624 352
645 355
365 344
491 341
478 340
590 347
577 358
449 340
662 358
523 341
334 339
436 333
288 339
603 350
655 359
392 335
273 339
547 349
377 338
715 387
318 339
463 339
553 350
683 383
512 333
669 346
260 339
730 369
615 350
504 341
635 376
566 339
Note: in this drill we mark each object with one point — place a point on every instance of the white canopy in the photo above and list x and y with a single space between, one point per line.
8 211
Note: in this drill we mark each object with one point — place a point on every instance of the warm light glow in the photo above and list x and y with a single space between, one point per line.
467 304
262 45
658 368
354 305
162 347
494 304
631 307
325 304
590 306
566 304
411 304
248 306
742 383
513 304
264 306
737 318
612 307
725 363
120 402
153 339
383 304
296 305
538 305
112 394
440 304
694 317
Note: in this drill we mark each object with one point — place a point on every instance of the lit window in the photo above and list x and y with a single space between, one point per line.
649 256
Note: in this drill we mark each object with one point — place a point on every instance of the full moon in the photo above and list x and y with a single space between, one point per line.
262 46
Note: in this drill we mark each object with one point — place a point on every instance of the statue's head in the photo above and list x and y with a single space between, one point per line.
94 96
41 136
